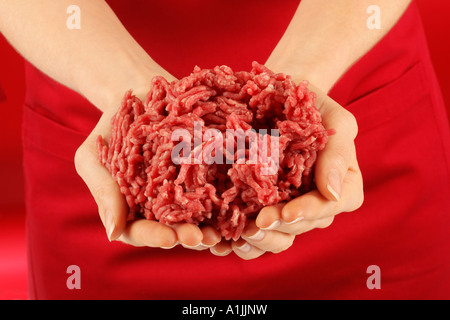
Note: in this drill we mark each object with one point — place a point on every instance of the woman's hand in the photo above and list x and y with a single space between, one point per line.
112 205
99 59
339 189
321 54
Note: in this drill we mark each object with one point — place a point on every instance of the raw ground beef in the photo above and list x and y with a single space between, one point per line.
138 153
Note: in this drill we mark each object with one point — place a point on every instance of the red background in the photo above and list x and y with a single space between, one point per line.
13 280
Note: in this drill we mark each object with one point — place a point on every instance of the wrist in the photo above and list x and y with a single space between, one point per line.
127 69
315 69
112 90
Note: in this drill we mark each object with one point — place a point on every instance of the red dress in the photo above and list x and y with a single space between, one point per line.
403 150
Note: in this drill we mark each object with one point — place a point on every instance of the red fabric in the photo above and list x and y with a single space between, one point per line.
13 267
402 149
435 23
2 95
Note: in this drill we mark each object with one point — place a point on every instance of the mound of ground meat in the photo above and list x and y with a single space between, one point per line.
139 153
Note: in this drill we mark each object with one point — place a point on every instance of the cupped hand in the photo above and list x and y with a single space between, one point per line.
113 209
339 189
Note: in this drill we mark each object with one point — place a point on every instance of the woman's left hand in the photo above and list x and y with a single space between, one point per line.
339 189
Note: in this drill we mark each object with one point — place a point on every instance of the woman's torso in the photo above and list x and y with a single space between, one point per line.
402 226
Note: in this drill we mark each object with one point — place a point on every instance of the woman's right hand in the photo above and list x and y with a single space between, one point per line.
100 61
112 206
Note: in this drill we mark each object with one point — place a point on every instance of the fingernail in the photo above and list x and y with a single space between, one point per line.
176 243
190 247
207 245
217 253
334 185
109 224
259 235
244 248
294 221
274 225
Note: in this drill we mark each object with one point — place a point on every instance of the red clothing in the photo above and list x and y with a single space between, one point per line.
403 226
2 95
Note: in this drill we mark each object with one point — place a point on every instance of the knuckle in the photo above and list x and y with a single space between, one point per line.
339 161
325 223
357 198
355 202
287 243
359 201
80 155
350 123
100 193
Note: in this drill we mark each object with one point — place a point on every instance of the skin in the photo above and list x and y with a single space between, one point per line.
320 54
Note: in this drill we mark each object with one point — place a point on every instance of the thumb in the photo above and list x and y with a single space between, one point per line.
335 159
111 203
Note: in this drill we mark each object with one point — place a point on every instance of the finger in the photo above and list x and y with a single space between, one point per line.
305 226
269 217
310 206
210 237
223 248
246 251
295 216
112 205
313 205
267 240
189 235
149 233
334 160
